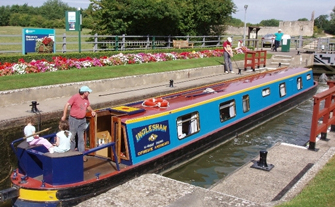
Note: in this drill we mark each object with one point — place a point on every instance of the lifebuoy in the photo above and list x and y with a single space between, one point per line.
156 102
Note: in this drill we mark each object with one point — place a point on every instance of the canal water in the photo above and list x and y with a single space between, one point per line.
292 127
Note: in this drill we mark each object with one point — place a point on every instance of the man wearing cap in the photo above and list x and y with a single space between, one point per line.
79 104
278 35
227 54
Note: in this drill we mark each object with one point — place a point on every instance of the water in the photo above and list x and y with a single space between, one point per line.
292 127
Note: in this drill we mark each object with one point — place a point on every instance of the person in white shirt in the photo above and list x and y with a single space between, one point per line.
34 139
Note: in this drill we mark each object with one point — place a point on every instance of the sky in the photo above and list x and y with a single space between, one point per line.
258 10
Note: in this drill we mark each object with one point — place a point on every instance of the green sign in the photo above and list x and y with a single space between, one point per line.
73 20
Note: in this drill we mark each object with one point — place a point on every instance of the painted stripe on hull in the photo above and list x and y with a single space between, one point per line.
38 195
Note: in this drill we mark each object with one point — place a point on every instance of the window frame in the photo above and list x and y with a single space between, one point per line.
299 83
186 122
227 107
282 86
266 92
246 103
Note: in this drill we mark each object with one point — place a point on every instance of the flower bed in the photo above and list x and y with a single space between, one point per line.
61 63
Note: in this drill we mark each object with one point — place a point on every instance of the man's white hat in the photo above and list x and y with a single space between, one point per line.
279 30
229 39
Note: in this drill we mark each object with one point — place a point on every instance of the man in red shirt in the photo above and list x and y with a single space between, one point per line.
227 54
79 104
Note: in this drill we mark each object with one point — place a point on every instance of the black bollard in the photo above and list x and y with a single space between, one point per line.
34 107
261 164
171 83
262 159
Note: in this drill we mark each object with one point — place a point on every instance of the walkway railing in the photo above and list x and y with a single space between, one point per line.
323 116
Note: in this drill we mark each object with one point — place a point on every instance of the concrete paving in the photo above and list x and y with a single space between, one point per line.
294 167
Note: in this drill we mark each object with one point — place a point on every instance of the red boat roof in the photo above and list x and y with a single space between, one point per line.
197 95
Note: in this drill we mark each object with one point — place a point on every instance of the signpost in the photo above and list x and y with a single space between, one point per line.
73 21
30 36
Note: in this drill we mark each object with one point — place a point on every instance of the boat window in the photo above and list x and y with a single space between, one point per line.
308 76
246 103
266 92
299 83
282 89
188 124
227 110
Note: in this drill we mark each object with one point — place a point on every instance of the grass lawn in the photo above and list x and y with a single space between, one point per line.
320 192
96 73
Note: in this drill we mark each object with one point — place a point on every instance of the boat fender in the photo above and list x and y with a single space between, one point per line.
155 102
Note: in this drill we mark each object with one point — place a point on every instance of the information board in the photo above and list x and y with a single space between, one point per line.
30 36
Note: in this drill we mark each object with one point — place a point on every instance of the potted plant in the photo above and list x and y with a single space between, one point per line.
44 45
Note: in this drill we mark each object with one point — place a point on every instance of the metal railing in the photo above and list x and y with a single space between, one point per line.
95 43
323 115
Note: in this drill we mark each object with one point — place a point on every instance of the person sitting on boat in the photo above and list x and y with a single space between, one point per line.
63 140
34 139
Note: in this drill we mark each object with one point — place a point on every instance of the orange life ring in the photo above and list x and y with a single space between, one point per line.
156 102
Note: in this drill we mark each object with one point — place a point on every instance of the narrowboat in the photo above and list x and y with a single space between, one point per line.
149 136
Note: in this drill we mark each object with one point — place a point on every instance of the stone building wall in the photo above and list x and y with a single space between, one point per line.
292 28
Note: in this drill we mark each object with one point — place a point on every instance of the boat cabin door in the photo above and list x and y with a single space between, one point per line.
103 128
119 136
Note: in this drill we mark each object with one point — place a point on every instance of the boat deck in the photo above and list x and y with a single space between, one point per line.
96 166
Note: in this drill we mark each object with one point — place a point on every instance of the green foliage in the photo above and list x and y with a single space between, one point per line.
269 23
236 22
321 21
331 26
4 15
303 19
164 17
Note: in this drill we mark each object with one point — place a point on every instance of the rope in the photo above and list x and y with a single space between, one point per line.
10 172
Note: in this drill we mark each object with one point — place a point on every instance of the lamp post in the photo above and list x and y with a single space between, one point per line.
245 14
80 22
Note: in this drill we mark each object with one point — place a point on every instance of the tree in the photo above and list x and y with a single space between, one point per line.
160 17
303 19
270 23
4 15
321 21
330 28
54 9
236 22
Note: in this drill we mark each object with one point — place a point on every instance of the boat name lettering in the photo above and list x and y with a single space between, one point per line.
162 145
150 128
145 151
160 141
149 145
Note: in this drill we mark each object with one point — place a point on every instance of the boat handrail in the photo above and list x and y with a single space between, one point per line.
110 144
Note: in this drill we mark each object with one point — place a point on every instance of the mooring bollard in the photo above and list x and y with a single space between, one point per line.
261 164
171 83
34 106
